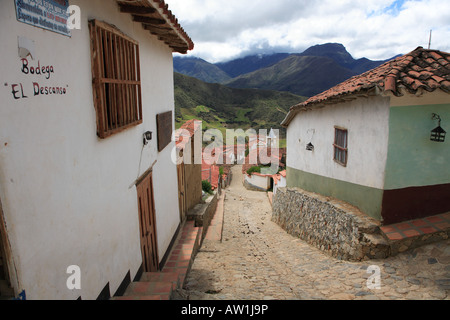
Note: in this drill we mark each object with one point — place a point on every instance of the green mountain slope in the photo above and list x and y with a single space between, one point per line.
223 107
301 75
200 69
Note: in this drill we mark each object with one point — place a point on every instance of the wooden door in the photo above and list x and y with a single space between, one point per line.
182 190
149 245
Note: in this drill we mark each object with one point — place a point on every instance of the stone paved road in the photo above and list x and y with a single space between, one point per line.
257 260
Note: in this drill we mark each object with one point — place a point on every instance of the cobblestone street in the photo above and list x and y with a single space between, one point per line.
257 260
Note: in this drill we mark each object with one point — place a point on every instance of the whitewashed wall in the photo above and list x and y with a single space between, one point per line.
259 181
66 194
367 121
281 183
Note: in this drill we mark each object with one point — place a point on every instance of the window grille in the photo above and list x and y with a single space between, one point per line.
116 79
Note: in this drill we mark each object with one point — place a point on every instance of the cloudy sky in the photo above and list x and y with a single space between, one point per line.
376 29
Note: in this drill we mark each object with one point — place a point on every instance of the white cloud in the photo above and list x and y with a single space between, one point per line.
376 29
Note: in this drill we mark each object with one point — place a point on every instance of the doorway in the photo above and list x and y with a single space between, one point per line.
6 290
147 221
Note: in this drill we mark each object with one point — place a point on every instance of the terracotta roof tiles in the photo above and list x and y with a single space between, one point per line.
421 69
188 129
192 126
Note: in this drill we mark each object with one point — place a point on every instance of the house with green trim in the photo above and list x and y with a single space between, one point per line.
371 140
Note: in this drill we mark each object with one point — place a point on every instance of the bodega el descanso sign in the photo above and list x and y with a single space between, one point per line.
46 14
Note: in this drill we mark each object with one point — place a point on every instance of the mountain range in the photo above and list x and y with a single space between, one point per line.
306 74
257 91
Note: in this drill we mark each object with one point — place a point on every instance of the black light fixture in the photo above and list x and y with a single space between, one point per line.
310 147
147 137
438 134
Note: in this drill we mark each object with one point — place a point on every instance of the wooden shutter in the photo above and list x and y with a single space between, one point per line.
116 79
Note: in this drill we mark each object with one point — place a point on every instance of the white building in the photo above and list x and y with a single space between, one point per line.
78 186
272 140
279 181
368 141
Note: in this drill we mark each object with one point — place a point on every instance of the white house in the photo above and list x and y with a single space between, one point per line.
258 181
279 181
369 140
87 200
272 140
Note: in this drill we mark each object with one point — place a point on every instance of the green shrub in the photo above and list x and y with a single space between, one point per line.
206 186
253 170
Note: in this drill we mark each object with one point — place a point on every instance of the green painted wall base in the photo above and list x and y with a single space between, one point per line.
368 200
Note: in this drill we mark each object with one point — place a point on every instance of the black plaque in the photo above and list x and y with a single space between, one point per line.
165 128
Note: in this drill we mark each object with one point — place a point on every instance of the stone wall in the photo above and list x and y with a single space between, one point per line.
333 226
203 213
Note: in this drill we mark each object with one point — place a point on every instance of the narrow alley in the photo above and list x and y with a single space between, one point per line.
256 260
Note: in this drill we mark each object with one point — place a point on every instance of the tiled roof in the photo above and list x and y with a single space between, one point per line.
211 173
418 71
192 126
188 129
156 17
273 157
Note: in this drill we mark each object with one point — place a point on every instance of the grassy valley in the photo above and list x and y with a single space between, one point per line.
221 107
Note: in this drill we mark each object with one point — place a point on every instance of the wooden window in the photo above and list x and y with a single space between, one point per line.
341 146
116 79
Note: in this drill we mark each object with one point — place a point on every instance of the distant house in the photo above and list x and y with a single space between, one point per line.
234 154
189 172
279 181
272 140
257 141
88 189
268 159
211 173
368 141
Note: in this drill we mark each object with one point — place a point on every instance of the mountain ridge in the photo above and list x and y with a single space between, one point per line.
313 71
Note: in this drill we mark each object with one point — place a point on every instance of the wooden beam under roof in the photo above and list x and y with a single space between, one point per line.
182 50
127 8
172 42
157 29
148 20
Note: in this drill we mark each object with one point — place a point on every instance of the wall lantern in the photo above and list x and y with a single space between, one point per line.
310 147
438 134
147 137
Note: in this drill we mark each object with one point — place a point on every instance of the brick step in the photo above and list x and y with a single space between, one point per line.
146 290
183 253
165 277
412 234
160 285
